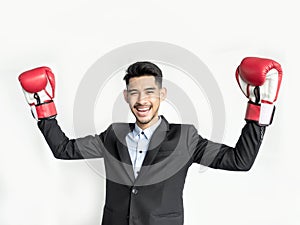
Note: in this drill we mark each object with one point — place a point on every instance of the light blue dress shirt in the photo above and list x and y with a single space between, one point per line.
138 142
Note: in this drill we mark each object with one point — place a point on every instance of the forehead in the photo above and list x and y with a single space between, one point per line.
142 82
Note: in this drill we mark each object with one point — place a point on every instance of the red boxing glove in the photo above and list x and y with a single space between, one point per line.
260 80
38 86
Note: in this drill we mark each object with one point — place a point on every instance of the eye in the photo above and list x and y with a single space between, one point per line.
133 93
150 92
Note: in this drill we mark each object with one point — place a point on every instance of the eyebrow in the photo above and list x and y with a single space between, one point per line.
150 88
146 89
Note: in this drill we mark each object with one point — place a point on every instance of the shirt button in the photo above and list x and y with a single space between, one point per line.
134 191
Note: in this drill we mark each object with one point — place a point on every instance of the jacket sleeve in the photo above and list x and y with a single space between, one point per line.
64 148
220 156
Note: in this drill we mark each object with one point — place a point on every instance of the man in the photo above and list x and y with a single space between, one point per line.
146 162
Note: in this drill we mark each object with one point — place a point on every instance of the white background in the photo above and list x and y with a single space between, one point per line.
69 36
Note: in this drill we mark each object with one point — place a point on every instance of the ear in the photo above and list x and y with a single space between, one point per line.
163 94
125 94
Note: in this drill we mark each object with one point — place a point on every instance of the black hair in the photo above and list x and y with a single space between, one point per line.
142 68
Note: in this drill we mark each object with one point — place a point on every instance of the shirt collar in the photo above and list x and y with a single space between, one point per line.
148 131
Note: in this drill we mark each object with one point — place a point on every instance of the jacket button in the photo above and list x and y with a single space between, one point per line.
134 191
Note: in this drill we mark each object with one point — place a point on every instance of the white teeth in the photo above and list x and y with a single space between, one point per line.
143 109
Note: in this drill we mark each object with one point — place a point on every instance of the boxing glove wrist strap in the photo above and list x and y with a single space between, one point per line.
261 113
46 110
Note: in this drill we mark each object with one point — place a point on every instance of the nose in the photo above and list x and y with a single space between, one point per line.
142 97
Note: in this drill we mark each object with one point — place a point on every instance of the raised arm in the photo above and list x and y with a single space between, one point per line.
221 156
39 86
260 80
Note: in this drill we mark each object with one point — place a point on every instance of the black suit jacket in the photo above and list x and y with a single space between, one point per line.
155 197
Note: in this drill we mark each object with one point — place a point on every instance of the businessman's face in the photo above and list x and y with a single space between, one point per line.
144 96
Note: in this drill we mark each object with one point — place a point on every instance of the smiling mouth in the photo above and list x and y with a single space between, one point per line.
142 110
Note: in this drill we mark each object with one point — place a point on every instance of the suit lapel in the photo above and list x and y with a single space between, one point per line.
123 153
121 130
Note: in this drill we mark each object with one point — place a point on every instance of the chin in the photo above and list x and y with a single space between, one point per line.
143 120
